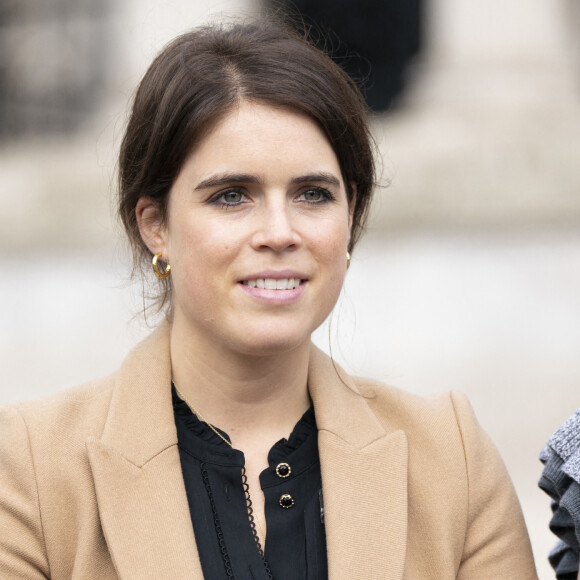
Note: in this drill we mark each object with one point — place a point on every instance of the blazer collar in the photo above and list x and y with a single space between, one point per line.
140 423
137 471
364 478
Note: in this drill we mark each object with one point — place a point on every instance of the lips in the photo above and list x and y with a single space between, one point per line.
273 283
275 288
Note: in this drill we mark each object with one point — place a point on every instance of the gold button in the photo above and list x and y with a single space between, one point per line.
283 470
286 501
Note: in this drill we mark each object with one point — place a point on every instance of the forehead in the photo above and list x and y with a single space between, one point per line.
263 136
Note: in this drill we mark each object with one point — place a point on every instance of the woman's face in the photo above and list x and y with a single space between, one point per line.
257 231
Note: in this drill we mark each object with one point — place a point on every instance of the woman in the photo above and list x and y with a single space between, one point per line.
561 480
227 445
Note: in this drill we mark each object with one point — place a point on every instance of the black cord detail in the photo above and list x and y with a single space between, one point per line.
253 522
217 524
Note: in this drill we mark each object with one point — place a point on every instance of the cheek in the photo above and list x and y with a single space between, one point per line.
201 257
330 251
189 259
332 242
192 241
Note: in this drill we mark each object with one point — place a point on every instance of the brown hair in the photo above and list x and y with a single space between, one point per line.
201 75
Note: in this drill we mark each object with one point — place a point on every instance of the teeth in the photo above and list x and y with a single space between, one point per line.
273 283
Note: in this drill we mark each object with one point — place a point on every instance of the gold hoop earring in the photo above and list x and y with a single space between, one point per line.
347 260
156 270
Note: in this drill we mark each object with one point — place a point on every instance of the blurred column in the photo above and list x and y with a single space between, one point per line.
572 14
490 132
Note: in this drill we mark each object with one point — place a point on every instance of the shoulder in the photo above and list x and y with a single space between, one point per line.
401 409
443 436
45 481
457 481
74 413
43 442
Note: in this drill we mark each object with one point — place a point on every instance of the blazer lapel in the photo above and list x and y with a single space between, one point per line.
364 479
137 472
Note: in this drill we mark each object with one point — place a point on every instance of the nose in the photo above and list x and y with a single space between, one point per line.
276 228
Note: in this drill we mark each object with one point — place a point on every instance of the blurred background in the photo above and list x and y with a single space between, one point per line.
469 276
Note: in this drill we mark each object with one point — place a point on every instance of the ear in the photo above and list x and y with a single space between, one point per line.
151 226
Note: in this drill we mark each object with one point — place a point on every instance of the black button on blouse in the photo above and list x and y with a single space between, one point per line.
212 471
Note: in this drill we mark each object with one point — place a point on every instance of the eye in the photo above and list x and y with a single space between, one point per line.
231 197
316 195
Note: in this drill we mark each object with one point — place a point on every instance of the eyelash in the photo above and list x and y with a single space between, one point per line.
326 195
218 199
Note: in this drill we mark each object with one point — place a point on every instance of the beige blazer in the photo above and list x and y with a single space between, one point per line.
91 484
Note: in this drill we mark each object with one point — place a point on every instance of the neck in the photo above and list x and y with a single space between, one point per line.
253 398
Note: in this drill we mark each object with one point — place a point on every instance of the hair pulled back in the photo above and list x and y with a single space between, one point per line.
201 76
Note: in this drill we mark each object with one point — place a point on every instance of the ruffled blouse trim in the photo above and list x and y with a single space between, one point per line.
279 451
301 432
194 424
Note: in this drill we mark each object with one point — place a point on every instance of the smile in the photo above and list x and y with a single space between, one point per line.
273 283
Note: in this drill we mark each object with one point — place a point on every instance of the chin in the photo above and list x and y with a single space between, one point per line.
269 343
272 347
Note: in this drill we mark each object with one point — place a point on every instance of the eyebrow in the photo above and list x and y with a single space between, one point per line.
318 177
229 178
226 179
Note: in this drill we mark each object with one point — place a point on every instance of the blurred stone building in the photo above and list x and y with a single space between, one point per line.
54 64
486 133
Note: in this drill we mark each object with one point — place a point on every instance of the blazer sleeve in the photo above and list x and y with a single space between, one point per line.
496 543
22 550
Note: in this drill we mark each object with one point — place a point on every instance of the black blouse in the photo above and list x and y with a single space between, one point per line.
214 482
